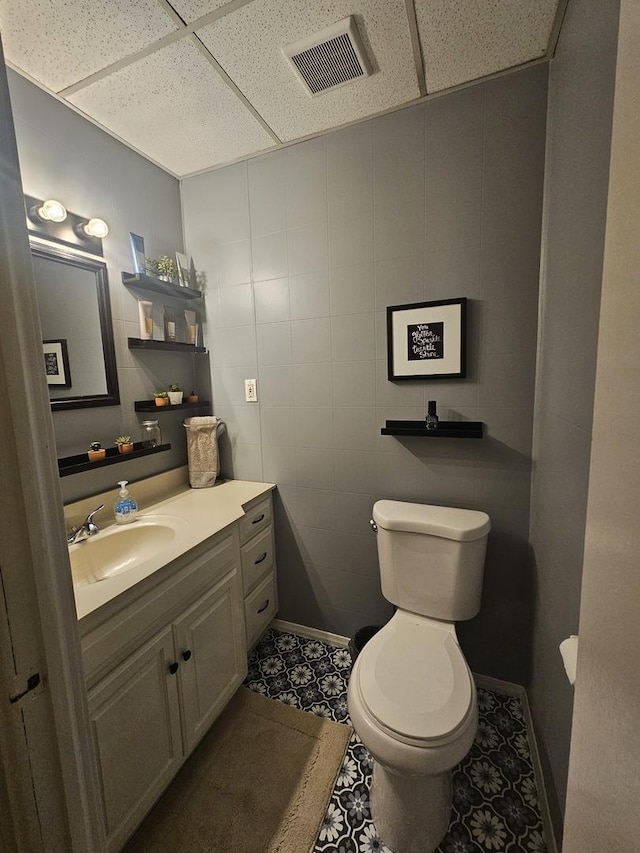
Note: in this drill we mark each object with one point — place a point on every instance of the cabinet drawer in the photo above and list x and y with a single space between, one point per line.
257 559
260 607
255 519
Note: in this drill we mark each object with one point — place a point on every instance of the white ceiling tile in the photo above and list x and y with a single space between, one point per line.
173 106
59 43
191 10
463 40
247 43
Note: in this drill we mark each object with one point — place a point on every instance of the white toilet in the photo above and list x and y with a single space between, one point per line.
412 698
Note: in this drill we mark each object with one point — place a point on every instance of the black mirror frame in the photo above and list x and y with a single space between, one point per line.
99 267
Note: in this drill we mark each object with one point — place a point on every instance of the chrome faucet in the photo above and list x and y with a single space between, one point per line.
85 530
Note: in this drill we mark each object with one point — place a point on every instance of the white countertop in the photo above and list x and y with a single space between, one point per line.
198 514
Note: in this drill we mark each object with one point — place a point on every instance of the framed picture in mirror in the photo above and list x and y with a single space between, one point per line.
56 363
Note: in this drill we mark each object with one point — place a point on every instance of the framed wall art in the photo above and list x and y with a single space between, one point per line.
137 251
184 269
427 340
56 363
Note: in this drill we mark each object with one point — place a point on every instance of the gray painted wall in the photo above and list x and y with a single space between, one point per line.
604 769
304 248
66 157
581 86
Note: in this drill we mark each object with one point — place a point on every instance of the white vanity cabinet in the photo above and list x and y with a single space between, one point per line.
258 567
159 670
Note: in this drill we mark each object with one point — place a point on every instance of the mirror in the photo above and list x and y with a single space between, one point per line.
75 315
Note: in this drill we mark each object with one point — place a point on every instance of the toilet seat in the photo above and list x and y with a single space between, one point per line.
413 680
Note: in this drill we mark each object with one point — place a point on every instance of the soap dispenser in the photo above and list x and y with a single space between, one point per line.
431 421
126 508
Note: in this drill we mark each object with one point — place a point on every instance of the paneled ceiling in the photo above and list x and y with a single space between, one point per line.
195 84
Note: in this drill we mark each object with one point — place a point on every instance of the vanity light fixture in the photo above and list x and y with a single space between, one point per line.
50 221
94 228
49 211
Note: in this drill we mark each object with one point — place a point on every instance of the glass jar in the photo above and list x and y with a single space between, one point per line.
151 434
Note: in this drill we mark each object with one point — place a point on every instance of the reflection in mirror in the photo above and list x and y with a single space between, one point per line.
75 315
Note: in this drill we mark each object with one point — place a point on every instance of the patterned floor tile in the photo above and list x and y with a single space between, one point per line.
495 801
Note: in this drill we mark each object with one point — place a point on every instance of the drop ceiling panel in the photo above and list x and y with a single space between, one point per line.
463 40
173 106
59 43
247 43
191 10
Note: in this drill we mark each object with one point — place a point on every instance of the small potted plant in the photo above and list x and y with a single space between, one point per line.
164 267
96 452
192 397
175 394
124 444
161 398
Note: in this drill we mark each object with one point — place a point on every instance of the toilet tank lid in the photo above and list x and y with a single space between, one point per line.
463 525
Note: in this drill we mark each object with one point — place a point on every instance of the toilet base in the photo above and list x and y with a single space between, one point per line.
411 813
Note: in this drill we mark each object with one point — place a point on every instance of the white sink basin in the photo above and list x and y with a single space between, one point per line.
121 548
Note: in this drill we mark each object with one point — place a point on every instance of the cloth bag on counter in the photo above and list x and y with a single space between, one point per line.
202 450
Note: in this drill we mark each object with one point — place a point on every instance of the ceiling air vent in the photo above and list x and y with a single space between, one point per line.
330 58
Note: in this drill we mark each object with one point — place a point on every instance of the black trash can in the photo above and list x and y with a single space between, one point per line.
360 640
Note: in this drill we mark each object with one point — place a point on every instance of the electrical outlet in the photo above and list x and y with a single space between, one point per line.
250 391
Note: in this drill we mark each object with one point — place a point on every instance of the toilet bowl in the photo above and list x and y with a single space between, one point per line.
413 704
411 695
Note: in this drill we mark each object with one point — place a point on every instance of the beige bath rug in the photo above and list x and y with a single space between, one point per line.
259 782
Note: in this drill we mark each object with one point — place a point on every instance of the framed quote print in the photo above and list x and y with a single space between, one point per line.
426 340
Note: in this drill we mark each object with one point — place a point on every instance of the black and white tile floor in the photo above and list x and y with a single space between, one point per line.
495 803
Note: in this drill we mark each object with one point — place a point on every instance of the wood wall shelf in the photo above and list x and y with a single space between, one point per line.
150 406
156 285
76 464
446 429
167 346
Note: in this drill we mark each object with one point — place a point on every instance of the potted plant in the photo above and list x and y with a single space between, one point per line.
192 397
124 444
161 398
164 267
175 394
96 452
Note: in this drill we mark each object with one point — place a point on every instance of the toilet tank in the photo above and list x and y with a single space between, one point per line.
431 558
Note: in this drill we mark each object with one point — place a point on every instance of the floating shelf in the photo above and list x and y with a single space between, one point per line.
446 429
166 288
167 346
75 464
150 406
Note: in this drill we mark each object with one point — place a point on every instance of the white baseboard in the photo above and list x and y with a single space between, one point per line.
311 633
507 688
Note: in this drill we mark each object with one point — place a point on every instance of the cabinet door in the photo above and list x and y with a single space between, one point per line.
135 719
212 653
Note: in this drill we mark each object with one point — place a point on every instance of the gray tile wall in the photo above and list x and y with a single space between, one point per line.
66 157
581 91
304 249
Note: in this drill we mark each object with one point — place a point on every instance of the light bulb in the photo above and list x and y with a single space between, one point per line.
52 211
96 228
